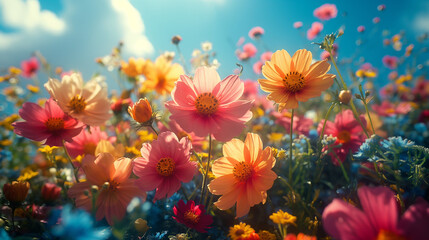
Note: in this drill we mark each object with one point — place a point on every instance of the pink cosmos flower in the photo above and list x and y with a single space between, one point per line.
256 32
390 61
251 89
376 20
250 49
387 91
257 67
30 67
348 132
240 41
301 125
315 29
266 56
206 105
173 126
297 25
381 7
388 109
116 188
86 142
421 89
326 11
49 125
192 216
164 165
378 219
361 29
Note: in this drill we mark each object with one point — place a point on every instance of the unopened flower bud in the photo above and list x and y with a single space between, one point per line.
94 189
106 185
141 225
176 39
141 112
16 192
345 96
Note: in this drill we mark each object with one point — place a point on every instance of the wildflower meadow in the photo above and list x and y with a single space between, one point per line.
285 143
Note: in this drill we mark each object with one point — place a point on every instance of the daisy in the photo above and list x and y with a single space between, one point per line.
290 80
161 75
243 174
378 219
49 125
116 189
164 165
206 105
192 216
88 103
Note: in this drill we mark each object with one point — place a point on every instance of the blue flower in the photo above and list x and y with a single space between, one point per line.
397 144
158 235
368 148
78 225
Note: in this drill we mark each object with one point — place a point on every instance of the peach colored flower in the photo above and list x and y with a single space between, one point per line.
243 174
164 165
116 189
86 142
290 80
206 105
161 75
88 103
134 67
326 11
141 112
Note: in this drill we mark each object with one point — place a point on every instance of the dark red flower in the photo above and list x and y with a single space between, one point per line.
50 192
192 216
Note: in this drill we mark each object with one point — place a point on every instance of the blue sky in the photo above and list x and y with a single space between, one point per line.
72 34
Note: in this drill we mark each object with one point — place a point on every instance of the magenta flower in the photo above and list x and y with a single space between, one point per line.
206 105
388 109
164 165
256 32
378 219
361 29
192 216
326 11
301 125
50 125
30 67
376 20
390 62
315 29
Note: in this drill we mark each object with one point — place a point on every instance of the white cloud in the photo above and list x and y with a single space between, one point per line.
421 19
73 38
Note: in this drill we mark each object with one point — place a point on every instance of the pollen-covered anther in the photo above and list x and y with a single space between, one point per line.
242 171
294 81
165 166
191 217
54 124
77 104
206 104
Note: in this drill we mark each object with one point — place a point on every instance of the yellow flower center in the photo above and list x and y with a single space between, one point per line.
242 171
206 104
293 81
89 148
77 104
165 166
387 235
343 136
113 185
54 124
191 217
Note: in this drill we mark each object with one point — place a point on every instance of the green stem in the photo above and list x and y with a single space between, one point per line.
206 173
290 147
342 167
369 116
71 162
153 129
328 113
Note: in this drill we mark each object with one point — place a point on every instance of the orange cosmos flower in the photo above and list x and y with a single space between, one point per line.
293 79
134 67
243 174
162 75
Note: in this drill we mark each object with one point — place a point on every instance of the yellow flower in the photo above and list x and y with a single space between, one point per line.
47 149
366 73
266 235
14 71
132 150
27 174
134 67
283 218
145 136
240 231
162 75
275 137
106 146
290 80
33 89
404 78
7 122
88 103
5 142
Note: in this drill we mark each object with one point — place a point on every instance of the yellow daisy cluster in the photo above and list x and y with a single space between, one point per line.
283 218
240 231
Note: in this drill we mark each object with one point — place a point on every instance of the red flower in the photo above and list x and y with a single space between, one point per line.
50 192
192 216
30 67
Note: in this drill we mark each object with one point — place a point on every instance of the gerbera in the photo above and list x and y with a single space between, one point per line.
192 216
88 103
116 189
326 11
348 132
243 174
161 75
378 219
290 80
206 105
30 67
49 125
164 165
240 231
86 142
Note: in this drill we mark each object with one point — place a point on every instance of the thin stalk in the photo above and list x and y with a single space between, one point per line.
75 170
153 129
342 167
369 116
290 147
328 113
206 173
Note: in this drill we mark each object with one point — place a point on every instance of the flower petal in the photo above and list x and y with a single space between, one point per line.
301 60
